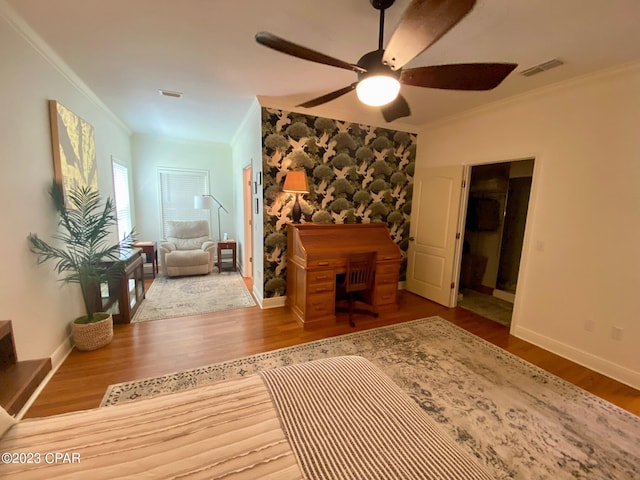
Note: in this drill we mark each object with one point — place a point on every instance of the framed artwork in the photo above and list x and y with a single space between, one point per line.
74 148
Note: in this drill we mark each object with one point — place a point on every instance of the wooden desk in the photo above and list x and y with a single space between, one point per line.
316 253
226 245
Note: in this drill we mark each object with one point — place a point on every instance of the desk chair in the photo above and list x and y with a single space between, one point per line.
358 282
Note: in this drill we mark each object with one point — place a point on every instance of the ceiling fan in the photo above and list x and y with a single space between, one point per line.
380 71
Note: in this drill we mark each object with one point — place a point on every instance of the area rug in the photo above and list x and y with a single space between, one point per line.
170 297
518 420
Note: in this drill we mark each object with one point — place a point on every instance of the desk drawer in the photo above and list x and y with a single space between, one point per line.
321 276
389 279
386 294
320 304
328 263
325 287
387 269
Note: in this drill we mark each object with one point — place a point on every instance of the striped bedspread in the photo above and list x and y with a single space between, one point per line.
347 420
336 418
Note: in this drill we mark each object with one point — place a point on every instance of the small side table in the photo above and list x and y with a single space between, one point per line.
150 250
226 245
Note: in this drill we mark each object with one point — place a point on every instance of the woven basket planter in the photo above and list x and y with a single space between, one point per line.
91 336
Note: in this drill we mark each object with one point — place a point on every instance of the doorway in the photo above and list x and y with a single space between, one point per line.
498 200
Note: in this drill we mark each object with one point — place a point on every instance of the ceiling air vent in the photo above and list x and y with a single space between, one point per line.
169 93
542 67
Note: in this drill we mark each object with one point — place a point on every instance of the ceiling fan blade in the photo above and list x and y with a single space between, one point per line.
462 76
328 97
397 109
284 46
421 25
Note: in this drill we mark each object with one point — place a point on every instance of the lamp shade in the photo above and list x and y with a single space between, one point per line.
296 182
198 201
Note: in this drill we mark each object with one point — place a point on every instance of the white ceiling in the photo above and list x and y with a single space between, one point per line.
125 50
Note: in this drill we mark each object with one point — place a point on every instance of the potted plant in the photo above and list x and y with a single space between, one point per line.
85 257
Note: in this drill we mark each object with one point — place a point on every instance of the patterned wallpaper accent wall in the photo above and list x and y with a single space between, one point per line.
356 173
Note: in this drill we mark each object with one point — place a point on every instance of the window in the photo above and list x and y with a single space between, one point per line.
177 189
123 205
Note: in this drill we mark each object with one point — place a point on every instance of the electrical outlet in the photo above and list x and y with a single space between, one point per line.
589 325
616 333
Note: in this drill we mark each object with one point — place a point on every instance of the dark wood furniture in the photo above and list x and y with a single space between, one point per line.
226 260
18 378
316 253
122 296
150 252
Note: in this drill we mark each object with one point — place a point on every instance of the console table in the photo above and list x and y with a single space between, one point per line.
121 296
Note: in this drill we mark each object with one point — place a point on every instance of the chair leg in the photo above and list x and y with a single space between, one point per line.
351 303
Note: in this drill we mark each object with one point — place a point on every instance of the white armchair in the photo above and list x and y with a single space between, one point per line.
188 249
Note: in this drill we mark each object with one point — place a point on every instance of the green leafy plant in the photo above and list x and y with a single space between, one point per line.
85 255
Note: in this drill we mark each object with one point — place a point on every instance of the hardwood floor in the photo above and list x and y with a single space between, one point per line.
159 347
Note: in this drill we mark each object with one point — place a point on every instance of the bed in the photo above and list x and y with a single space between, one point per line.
336 418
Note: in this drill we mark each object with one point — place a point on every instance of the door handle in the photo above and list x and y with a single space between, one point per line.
411 239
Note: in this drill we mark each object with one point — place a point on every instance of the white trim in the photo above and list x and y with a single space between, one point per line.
274 302
598 364
254 109
506 296
41 47
538 92
167 171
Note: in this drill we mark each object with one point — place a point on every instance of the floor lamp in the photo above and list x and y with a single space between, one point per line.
206 201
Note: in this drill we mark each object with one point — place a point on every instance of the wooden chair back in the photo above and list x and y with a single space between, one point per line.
361 269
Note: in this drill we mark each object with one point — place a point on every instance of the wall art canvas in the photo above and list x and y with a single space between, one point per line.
74 148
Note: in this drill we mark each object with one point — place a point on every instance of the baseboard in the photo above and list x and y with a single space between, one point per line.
506 296
595 363
274 302
58 357
257 295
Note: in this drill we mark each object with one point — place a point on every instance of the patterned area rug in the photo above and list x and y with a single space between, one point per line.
181 296
518 420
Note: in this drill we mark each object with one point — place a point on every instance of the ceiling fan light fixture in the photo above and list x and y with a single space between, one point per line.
377 90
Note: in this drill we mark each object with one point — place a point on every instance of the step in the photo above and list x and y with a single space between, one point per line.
18 379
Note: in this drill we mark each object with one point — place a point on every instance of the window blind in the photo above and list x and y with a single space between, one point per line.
121 199
177 189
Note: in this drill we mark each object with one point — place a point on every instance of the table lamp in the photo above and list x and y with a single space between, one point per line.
296 182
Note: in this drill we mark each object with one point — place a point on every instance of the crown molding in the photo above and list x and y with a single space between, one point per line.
41 47
567 84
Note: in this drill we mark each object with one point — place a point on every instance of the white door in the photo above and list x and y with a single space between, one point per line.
434 223
247 247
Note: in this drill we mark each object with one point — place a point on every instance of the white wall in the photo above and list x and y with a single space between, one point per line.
581 257
40 307
247 151
154 152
